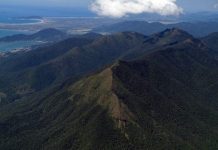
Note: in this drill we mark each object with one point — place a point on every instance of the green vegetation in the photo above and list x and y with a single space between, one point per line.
165 98
51 65
211 40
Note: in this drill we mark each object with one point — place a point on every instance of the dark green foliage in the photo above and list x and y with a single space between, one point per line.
22 71
167 92
47 66
165 99
211 40
53 121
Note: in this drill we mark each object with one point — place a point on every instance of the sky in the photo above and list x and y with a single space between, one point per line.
120 8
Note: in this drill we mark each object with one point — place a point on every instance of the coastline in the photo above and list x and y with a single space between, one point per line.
39 21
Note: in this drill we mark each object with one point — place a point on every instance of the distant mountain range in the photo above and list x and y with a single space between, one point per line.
114 92
198 29
49 34
201 16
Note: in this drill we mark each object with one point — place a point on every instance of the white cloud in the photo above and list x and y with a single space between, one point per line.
120 8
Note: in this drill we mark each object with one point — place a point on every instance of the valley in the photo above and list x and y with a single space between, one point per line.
108 75
126 87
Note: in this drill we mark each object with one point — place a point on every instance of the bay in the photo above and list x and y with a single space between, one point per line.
8 46
6 32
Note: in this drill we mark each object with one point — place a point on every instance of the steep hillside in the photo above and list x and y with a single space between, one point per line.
211 40
44 67
15 70
164 100
166 38
35 70
85 59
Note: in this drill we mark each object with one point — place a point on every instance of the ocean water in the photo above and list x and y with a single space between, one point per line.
8 46
5 32
11 20
15 20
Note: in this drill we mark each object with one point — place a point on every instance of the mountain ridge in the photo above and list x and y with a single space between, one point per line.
198 29
49 65
164 99
211 40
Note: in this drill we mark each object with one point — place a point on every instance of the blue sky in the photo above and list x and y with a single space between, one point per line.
84 5
198 5
186 4
55 3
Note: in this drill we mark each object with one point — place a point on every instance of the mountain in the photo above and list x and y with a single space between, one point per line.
168 37
84 59
164 99
16 75
211 40
134 26
204 16
90 35
49 34
29 72
198 29
35 70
